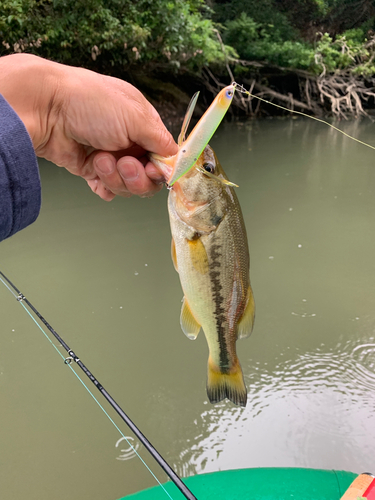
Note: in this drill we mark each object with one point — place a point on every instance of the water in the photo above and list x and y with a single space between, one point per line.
102 276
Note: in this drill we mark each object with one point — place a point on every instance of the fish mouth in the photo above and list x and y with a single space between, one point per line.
168 166
165 165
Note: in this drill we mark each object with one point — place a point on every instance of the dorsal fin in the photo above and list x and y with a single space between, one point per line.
187 118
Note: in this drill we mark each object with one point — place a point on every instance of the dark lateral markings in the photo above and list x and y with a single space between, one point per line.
219 312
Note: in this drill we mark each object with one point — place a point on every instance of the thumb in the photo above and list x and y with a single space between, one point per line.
145 127
160 140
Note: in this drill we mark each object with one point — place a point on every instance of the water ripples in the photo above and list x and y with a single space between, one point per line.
304 409
348 369
129 448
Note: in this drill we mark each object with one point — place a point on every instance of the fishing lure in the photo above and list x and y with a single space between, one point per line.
191 148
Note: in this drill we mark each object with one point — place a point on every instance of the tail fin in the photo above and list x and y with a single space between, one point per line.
229 385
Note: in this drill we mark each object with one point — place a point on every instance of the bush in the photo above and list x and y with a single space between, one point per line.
350 51
255 41
112 32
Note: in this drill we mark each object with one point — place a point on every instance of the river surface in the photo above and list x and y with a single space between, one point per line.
102 276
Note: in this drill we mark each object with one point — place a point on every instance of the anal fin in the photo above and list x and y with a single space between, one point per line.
245 325
189 324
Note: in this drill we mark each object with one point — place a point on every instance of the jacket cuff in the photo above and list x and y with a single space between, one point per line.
20 188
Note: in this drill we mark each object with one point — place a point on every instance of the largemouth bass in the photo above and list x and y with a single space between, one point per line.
210 253
210 250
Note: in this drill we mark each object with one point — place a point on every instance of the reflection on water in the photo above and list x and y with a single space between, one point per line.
315 397
102 276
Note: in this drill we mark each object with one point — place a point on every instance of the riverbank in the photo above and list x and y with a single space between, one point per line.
330 96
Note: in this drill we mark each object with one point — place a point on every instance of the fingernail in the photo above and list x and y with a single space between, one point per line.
128 170
105 164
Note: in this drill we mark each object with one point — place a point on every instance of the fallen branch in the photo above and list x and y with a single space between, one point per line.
344 93
288 99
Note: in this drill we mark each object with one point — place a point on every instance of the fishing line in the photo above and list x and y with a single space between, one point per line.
242 89
73 357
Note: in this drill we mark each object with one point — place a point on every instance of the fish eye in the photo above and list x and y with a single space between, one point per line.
209 167
229 93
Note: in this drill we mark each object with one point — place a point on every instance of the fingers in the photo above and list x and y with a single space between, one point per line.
123 177
154 174
98 187
102 129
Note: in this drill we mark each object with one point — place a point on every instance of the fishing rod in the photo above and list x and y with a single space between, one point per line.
73 357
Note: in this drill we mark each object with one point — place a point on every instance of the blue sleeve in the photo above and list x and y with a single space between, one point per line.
20 190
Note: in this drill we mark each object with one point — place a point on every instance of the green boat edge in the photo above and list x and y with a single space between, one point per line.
258 484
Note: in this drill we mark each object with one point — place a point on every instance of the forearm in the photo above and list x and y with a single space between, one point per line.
29 84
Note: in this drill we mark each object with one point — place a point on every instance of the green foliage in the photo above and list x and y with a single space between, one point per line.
341 15
256 41
112 35
261 30
350 51
111 32
265 13
323 7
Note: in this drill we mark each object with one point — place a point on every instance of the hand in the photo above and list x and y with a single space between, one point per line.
96 126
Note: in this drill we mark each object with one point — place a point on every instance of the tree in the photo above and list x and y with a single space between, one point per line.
105 34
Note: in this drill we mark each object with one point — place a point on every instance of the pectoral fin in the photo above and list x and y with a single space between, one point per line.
198 255
189 324
245 325
216 178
